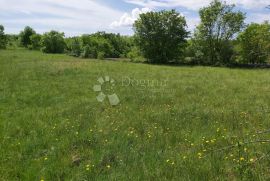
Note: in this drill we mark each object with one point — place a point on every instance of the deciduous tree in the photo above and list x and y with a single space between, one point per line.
254 43
53 42
3 38
219 25
25 36
161 36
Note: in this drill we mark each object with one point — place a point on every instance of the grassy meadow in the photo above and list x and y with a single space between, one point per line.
204 123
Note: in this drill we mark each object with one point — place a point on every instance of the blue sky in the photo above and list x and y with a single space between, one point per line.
75 17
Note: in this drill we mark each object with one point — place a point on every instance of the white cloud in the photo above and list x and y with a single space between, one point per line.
258 18
69 16
128 19
196 4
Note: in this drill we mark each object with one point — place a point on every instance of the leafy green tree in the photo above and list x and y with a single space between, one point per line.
254 43
53 42
3 38
161 36
97 44
212 38
25 36
35 42
74 46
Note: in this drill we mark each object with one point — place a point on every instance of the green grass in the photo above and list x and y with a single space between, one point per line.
53 128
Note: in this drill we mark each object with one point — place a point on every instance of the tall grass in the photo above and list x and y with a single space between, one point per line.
202 124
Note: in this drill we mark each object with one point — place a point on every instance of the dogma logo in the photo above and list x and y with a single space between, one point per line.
105 89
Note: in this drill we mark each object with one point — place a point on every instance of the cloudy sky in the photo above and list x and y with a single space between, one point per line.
75 17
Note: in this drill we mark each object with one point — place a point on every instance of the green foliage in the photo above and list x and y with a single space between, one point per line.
74 46
97 44
161 35
119 45
3 38
254 43
35 42
135 55
13 40
86 51
25 35
53 42
212 38
101 55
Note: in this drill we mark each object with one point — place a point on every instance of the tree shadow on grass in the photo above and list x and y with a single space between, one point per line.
233 66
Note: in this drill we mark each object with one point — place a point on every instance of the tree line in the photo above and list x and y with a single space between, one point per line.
221 38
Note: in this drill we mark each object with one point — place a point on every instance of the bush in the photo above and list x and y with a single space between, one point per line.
35 42
101 56
75 47
53 42
86 51
13 40
97 44
25 35
3 38
113 45
135 55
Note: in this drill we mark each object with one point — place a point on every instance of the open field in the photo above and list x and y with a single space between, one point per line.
53 128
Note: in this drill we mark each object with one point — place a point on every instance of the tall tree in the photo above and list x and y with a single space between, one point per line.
255 43
3 38
219 25
161 36
25 35
53 42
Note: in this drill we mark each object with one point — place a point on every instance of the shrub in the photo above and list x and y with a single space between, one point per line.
135 55
35 42
75 47
113 45
86 51
53 42
3 38
101 56
25 35
97 44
